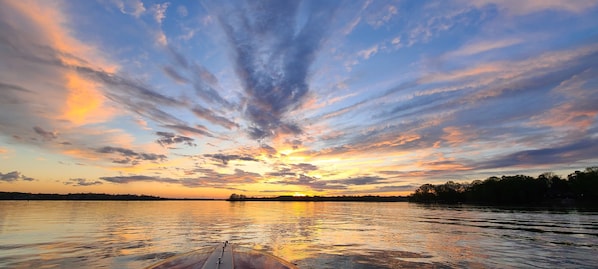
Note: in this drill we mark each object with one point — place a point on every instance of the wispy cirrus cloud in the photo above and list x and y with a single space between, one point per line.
271 62
563 153
482 46
88 88
210 116
524 7
206 85
40 47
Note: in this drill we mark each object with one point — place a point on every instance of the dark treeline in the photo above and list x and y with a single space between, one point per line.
367 198
580 187
75 196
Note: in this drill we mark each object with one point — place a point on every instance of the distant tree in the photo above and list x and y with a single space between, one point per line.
450 192
237 197
425 193
584 185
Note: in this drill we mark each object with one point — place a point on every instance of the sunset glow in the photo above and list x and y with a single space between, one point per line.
202 99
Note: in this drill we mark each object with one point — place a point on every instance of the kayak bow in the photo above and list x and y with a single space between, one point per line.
224 256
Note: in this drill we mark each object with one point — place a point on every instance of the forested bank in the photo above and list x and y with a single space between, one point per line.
580 187
75 196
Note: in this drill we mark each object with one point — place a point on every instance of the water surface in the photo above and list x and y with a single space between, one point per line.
135 234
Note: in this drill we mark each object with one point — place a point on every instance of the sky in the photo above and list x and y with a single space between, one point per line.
202 99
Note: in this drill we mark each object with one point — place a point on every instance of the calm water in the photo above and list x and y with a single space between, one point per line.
77 234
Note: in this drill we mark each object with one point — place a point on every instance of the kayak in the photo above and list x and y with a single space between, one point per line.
224 256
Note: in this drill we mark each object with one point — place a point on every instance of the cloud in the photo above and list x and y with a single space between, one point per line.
198 129
72 78
523 7
455 136
209 178
272 62
357 18
367 53
130 7
159 16
160 11
584 149
362 180
13 94
396 42
46 135
123 87
304 167
311 182
14 88
317 184
82 182
575 109
268 149
137 178
221 180
204 83
14 176
284 172
439 18
477 109
130 156
39 48
182 11
396 188
208 93
174 75
483 46
225 158
290 177
209 115
161 38
381 15
167 139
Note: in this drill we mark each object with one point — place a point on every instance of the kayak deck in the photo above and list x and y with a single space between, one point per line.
224 256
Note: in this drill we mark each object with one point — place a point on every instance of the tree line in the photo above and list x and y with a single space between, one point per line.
547 188
75 196
364 198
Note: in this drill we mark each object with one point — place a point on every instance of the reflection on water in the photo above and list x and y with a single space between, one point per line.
112 234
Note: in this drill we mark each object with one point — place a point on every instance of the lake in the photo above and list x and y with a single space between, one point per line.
135 234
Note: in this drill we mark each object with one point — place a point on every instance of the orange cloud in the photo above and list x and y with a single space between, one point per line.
456 135
483 46
576 110
51 21
486 69
84 102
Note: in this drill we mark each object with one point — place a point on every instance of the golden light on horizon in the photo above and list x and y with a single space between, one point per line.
299 194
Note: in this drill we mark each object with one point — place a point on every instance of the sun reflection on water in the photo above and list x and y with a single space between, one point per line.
310 234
